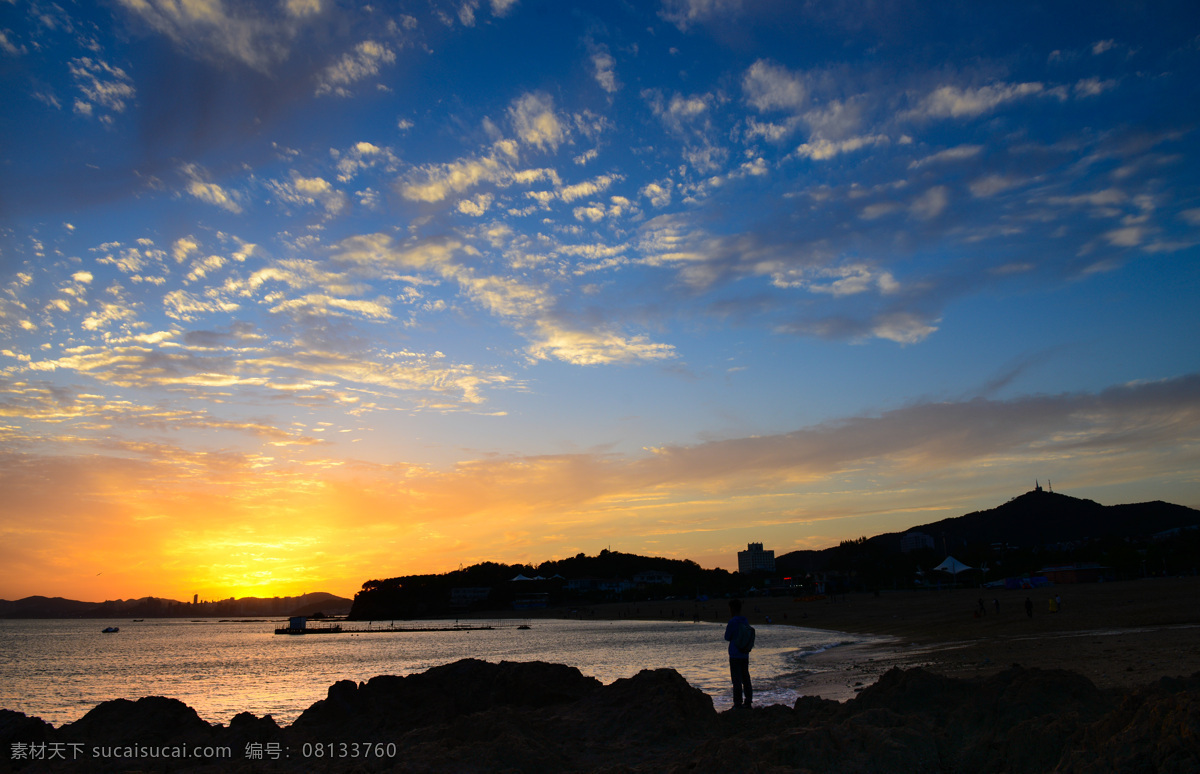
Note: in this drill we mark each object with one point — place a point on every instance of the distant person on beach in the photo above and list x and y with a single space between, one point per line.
739 662
1029 607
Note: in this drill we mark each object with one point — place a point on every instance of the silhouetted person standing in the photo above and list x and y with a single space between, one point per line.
1029 607
739 662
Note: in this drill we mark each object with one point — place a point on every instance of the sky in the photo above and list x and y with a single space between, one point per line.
296 294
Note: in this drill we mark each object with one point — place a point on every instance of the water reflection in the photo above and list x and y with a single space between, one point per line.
57 670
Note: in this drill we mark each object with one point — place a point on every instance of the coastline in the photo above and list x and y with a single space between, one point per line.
1119 635
1097 687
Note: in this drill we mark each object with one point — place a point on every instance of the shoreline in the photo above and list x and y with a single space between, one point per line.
1119 635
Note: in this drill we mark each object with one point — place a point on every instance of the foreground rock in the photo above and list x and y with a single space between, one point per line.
474 716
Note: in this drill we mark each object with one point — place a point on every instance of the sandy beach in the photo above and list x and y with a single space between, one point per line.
1119 635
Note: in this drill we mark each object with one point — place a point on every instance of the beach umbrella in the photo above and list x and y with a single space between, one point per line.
952 566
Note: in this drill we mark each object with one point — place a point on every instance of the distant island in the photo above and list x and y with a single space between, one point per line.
1027 535
319 603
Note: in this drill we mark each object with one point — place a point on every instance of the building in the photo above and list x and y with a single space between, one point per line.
465 597
755 559
914 541
653 578
1088 572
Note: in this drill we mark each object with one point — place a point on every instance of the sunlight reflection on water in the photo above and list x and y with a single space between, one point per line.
59 669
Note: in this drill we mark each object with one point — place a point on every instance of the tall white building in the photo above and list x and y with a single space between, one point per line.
755 558
912 541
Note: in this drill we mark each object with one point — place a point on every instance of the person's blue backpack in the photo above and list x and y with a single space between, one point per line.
743 640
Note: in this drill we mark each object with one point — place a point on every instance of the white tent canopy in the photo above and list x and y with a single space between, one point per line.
952 566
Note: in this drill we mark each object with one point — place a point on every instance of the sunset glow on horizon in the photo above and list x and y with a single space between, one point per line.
294 295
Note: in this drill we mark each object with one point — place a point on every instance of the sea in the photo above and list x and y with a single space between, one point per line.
59 669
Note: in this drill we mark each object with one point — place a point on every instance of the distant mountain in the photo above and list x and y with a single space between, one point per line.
1035 521
154 607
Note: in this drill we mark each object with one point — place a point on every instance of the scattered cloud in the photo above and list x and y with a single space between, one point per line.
535 122
254 35
824 150
363 62
210 193
770 87
957 102
687 13
103 88
604 70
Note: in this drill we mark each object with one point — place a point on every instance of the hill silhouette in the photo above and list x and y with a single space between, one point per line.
155 607
413 596
1034 529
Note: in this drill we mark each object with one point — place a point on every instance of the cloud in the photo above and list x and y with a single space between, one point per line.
943 435
325 305
256 35
598 211
681 112
294 372
902 328
949 155
931 203
8 47
686 13
303 191
476 207
185 306
584 347
658 192
990 185
956 102
587 188
1128 236
209 193
768 86
531 308
847 280
824 150
1092 87
360 157
535 122
604 70
436 182
103 86
363 62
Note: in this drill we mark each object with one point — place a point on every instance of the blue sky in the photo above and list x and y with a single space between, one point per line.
294 294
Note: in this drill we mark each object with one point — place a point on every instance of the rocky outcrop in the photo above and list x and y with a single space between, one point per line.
475 716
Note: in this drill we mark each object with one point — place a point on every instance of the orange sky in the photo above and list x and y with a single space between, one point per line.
166 522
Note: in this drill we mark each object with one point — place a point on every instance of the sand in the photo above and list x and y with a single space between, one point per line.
1119 635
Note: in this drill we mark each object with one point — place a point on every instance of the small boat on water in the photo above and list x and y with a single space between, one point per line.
110 630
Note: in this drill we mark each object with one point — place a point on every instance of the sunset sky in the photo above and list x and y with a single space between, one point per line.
295 293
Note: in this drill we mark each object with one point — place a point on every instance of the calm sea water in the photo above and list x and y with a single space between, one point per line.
59 669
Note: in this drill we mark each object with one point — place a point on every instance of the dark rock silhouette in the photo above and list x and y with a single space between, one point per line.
475 716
